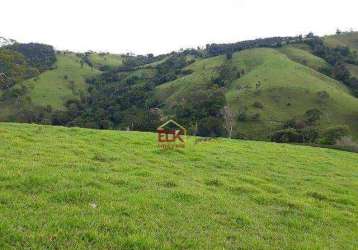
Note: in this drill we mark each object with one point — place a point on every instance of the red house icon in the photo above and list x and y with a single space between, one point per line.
171 131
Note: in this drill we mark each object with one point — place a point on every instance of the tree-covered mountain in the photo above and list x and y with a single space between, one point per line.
287 89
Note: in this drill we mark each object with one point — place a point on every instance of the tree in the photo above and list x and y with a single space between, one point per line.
340 72
201 111
310 35
310 134
40 56
14 68
242 117
332 134
258 105
312 116
285 136
229 118
225 74
5 82
229 55
354 85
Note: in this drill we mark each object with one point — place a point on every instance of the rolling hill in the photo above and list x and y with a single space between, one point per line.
267 83
303 55
81 188
105 59
66 81
349 39
287 89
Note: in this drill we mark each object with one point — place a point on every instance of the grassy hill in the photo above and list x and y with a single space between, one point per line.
65 82
103 59
265 85
79 188
349 39
274 77
346 39
304 57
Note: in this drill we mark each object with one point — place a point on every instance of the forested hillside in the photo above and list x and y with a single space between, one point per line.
286 89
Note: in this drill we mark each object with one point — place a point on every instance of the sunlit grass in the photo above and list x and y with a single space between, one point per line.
78 188
53 87
110 60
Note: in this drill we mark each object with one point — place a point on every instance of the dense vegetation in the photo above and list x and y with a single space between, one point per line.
337 57
13 69
40 56
273 42
77 188
112 103
120 99
19 62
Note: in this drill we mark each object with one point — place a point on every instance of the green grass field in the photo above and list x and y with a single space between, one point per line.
53 87
110 60
304 57
345 39
70 188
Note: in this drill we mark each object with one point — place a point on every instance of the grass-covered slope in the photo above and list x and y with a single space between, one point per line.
66 81
304 57
288 90
353 70
348 39
285 87
77 188
105 59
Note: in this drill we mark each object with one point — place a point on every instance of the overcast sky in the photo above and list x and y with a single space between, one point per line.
159 26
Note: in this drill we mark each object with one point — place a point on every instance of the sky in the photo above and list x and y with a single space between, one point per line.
161 26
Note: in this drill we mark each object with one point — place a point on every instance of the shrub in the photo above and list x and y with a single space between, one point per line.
258 105
211 126
322 95
295 123
228 55
226 73
341 72
132 80
242 117
312 116
347 143
353 84
310 134
187 71
285 135
256 117
333 134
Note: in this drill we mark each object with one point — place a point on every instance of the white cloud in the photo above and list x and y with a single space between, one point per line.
144 26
